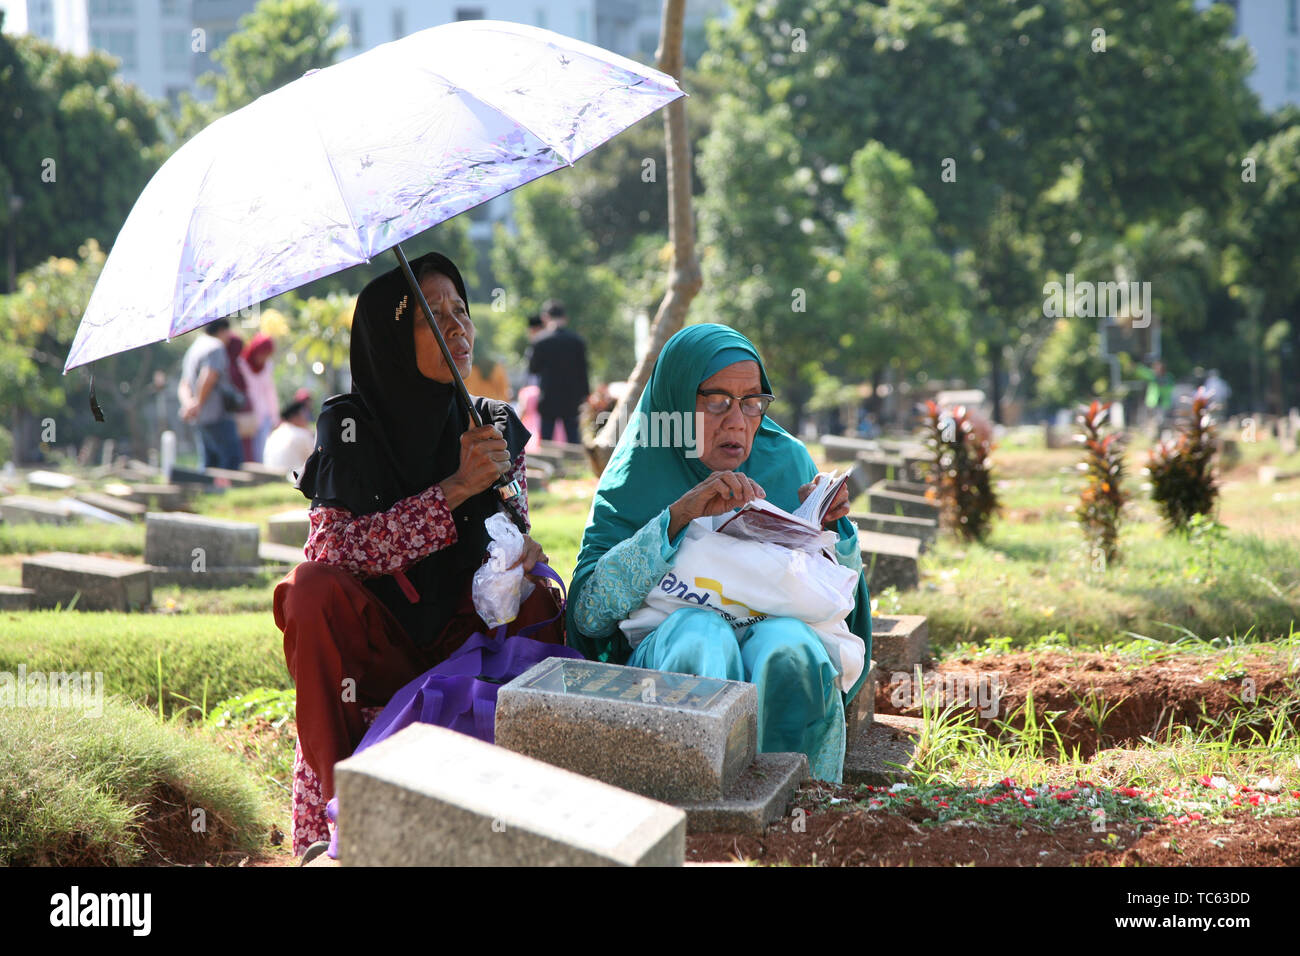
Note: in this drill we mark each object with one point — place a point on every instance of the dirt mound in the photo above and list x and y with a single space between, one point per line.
1097 701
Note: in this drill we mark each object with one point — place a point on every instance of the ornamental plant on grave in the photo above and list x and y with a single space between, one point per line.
1101 502
959 476
1182 470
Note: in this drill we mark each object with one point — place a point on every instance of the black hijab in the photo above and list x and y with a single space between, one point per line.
396 434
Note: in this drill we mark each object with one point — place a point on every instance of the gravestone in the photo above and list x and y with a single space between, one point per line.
288 527
916 488
428 796
282 556
50 480
889 561
843 448
26 509
874 466
261 474
924 530
16 599
899 641
90 512
201 551
883 501
104 584
159 497
122 507
686 740
862 708
666 736
883 752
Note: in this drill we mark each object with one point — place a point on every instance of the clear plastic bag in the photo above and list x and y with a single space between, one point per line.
498 588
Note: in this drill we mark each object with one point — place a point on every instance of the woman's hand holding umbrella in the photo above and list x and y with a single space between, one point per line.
483 459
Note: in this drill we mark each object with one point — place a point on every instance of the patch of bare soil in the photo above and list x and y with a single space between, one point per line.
1104 700
855 836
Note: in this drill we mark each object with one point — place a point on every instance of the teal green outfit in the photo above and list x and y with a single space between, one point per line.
626 551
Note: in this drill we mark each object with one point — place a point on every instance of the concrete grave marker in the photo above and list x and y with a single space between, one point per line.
429 796
889 561
122 507
50 480
924 530
202 551
899 641
104 584
288 527
883 501
668 736
26 509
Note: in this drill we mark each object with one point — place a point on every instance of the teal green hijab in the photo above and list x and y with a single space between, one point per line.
640 481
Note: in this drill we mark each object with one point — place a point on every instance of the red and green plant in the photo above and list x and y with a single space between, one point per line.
1183 480
1101 502
959 477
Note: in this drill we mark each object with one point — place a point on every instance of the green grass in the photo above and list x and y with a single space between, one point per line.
73 786
199 655
127 540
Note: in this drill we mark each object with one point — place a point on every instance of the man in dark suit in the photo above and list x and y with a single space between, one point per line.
558 358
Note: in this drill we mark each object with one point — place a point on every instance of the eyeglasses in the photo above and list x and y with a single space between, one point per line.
718 402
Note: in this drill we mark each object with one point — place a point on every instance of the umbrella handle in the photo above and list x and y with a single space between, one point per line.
507 489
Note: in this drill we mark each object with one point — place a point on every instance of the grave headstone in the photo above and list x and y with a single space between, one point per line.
667 736
884 752
883 501
429 796
844 448
91 512
98 584
899 641
26 509
200 551
916 488
106 455
889 561
265 474
16 599
122 507
158 497
877 466
50 480
288 527
167 454
924 530
859 711
281 555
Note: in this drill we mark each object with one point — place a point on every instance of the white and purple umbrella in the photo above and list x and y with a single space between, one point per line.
349 161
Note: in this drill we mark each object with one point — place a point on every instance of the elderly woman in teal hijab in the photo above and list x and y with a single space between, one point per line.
646 498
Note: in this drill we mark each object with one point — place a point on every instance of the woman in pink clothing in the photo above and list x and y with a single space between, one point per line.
259 379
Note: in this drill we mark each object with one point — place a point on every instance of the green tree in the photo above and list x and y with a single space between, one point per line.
78 147
276 43
551 257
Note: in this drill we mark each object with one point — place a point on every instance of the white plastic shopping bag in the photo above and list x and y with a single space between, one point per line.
747 581
498 588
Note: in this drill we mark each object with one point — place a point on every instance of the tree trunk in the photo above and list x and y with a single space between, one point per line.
684 279
995 380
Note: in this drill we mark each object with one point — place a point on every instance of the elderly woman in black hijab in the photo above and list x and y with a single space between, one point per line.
400 488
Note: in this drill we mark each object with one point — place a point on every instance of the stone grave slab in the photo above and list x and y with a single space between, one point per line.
875 756
859 711
158 497
889 560
50 480
261 474
229 475
79 508
26 509
429 796
883 501
874 466
761 796
917 488
924 530
171 537
899 642
113 504
16 599
104 584
288 527
671 737
844 448
285 555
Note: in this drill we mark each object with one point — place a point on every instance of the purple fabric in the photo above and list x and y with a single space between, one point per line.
461 692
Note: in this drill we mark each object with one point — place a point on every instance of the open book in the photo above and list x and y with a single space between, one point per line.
760 520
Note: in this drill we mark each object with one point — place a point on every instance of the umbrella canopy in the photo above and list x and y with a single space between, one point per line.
346 162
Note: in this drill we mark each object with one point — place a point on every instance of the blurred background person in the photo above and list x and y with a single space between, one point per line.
528 401
258 373
208 395
559 360
292 441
